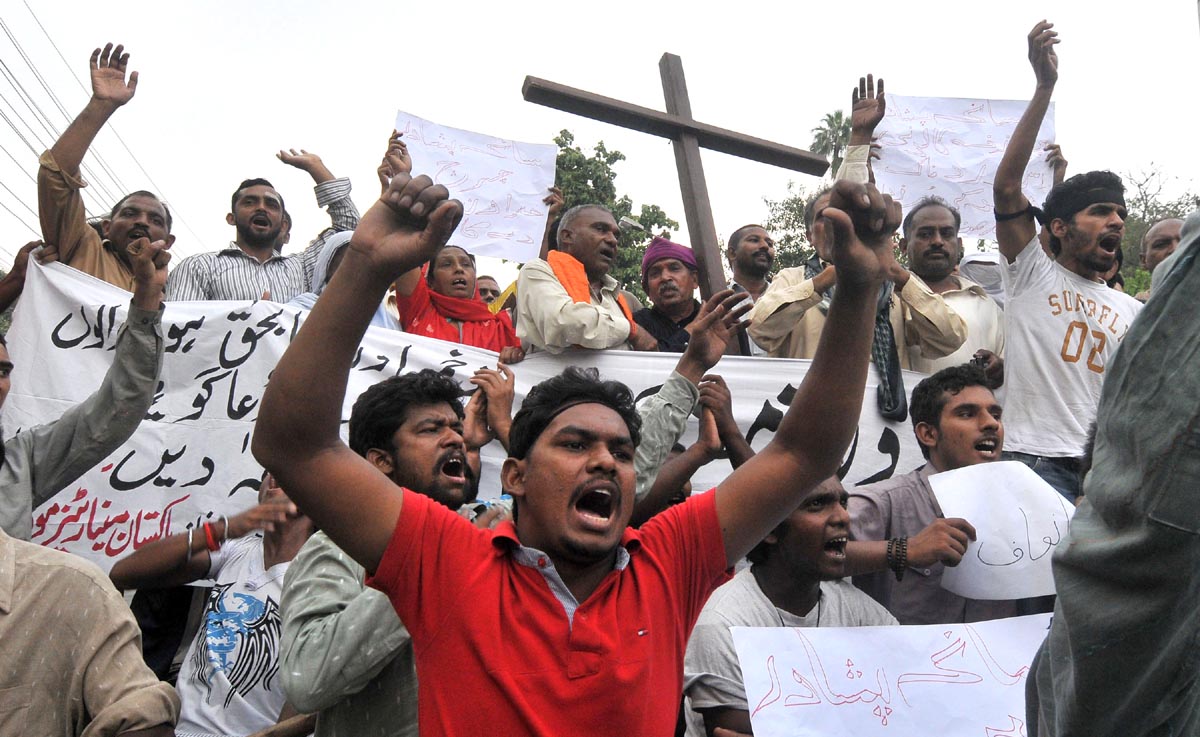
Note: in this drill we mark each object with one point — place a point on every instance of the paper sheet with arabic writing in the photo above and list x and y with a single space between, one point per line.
911 681
950 147
500 182
1019 521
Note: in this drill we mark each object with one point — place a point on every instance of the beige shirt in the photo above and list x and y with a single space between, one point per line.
985 327
71 651
787 321
548 319
64 224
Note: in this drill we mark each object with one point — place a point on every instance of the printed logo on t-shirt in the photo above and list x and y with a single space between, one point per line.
1085 340
241 639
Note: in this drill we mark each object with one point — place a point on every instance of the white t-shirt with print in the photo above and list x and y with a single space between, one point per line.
1061 332
229 684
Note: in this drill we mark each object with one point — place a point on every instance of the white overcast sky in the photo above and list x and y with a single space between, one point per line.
225 84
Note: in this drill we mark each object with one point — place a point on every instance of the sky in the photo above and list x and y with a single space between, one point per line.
224 85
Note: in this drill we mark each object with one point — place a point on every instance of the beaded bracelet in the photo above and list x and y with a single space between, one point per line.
897 556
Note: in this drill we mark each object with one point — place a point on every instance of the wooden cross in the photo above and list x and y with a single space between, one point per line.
687 136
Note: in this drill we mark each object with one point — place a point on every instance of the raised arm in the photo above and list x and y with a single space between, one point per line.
867 108
1015 233
296 436
818 426
110 91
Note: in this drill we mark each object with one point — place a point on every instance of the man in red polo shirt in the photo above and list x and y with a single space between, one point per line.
564 620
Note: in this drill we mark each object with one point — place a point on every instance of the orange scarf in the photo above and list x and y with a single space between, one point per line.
571 274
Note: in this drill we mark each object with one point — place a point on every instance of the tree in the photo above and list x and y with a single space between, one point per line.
785 223
587 179
1146 205
831 137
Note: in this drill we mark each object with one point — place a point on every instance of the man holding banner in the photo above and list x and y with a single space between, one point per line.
40 461
574 584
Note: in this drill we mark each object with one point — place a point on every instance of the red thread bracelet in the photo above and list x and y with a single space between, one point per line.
211 539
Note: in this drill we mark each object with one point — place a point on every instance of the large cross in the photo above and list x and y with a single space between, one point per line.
687 136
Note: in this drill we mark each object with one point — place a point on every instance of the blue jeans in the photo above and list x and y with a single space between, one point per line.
1061 473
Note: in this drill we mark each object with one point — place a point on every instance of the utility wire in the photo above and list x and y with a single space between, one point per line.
178 215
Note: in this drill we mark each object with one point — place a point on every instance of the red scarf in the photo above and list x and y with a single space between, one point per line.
480 327
572 275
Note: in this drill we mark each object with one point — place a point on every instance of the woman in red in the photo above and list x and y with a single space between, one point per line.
445 305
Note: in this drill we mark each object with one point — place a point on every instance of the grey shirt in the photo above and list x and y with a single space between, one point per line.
902 506
344 651
40 461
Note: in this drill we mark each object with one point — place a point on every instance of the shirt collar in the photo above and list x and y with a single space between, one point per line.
233 249
505 541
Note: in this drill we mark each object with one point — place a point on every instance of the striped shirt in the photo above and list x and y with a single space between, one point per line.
232 274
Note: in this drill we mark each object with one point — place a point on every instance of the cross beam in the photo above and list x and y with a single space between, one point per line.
687 137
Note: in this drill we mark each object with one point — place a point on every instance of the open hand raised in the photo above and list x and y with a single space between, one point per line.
108 76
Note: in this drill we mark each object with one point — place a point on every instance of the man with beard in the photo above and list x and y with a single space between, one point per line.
934 249
790 316
796 579
60 187
751 252
1063 324
669 278
252 266
897 525
345 653
569 299
563 617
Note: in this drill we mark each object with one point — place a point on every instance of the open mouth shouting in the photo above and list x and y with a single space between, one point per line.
596 506
260 220
988 447
836 548
454 467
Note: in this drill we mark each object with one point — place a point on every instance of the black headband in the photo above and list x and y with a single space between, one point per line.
1085 199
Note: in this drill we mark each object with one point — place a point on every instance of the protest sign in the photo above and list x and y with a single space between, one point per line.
1019 521
950 147
191 459
500 182
907 681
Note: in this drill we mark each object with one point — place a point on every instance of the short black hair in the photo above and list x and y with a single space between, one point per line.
930 396
575 385
381 409
736 237
930 201
810 209
141 193
247 183
1062 197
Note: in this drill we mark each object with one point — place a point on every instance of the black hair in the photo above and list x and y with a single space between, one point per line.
810 209
258 181
429 270
736 237
140 193
930 201
1065 196
381 409
575 385
930 396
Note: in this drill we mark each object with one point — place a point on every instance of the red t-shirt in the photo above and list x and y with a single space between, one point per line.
495 652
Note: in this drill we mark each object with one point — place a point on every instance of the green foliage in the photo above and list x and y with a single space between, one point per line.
1146 204
587 179
785 223
831 137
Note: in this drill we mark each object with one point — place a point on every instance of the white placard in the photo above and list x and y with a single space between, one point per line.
500 182
1019 520
950 147
190 458
907 681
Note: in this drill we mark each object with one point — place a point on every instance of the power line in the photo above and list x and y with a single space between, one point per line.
162 193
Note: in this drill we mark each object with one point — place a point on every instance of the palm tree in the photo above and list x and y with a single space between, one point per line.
830 138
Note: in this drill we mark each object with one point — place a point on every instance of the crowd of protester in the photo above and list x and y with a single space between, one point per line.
369 592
